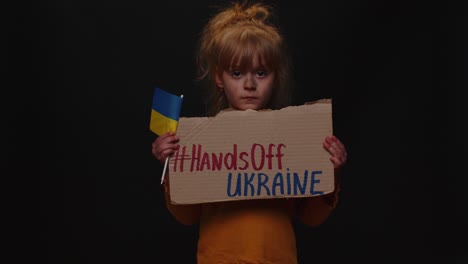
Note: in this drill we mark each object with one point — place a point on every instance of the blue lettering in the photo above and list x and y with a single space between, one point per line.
277 182
313 181
297 183
238 186
248 183
262 183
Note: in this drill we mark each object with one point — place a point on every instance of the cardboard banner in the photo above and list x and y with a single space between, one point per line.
240 155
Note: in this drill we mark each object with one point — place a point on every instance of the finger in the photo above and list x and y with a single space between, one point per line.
166 142
172 139
167 139
329 146
167 134
158 150
166 153
328 141
339 152
339 145
164 137
337 163
337 156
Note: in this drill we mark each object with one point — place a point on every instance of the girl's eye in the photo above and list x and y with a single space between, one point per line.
261 73
236 73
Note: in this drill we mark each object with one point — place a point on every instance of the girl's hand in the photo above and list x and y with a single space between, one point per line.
164 146
337 150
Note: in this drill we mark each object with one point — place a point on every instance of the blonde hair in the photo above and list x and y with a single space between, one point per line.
236 34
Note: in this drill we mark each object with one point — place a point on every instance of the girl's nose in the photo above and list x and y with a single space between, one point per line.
250 83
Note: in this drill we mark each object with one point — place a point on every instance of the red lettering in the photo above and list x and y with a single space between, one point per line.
270 155
214 161
242 154
205 161
279 155
233 158
262 157
179 158
195 157
176 158
217 161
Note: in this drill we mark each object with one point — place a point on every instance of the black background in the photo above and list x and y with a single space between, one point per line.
87 69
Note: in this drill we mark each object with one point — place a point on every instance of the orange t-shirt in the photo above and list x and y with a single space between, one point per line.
251 231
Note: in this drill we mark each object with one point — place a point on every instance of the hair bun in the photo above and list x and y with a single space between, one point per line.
239 13
254 12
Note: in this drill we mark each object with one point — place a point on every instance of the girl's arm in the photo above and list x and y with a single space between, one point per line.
186 214
164 146
315 210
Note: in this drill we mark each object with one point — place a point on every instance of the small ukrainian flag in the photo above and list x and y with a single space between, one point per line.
165 112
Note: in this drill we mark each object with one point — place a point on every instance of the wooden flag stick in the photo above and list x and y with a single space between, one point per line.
167 159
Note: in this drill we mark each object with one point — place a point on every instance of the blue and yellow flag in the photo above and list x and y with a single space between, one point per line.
165 112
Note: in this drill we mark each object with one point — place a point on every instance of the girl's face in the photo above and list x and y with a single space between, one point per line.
250 88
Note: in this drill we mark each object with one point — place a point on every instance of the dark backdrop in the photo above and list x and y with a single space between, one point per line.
389 67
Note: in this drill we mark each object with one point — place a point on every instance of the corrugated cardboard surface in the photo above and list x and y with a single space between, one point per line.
239 155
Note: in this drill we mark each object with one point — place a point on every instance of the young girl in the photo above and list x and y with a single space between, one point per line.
243 61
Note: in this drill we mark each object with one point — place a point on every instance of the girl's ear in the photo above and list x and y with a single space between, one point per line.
219 83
